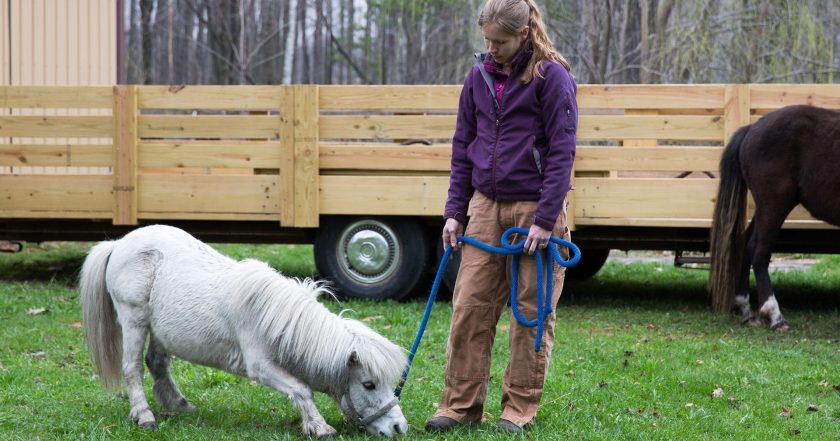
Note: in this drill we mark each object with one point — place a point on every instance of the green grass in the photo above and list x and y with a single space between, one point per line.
637 357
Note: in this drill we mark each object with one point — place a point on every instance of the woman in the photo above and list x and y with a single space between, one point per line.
512 157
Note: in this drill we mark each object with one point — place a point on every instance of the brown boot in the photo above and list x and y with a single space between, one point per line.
441 424
504 425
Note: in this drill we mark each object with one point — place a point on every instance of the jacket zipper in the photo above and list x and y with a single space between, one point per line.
498 110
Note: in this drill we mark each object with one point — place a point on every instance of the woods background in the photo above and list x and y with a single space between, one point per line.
432 41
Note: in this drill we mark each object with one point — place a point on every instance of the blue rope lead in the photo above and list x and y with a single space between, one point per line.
543 295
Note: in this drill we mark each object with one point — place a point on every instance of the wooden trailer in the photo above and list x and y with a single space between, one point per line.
360 171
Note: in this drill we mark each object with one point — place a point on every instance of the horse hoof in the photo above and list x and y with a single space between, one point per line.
750 321
185 406
149 425
326 433
781 326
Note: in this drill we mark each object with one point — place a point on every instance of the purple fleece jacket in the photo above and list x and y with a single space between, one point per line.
526 152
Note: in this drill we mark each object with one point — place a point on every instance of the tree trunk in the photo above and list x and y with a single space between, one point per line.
350 38
644 55
284 39
302 49
146 7
170 60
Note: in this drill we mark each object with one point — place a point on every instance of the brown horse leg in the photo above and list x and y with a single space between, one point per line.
767 225
742 298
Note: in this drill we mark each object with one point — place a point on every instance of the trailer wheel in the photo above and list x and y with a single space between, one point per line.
591 260
372 258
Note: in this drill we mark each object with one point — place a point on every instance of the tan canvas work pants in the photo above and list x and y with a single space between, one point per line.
481 295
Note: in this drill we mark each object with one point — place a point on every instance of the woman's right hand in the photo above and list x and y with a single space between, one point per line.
451 231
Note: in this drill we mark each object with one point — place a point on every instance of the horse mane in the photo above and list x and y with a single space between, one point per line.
312 343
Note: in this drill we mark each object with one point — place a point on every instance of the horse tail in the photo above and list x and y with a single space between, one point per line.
104 336
726 244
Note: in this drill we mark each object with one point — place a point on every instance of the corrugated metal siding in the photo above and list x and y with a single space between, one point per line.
58 42
5 33
61 42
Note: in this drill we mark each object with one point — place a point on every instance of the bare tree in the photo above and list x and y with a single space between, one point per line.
432 41
146 7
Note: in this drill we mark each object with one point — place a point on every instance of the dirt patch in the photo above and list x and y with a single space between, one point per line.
783 262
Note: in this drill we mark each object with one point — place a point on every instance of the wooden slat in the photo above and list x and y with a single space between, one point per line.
62 155
686 111
381 127
125 155
571 221
689 223
689 128
643 222
800 213
639 142
54 97
214 197
215 154
389 98
208 126
29 214
306 156
286 161
807 225
737 111
774 96
208 97
590 158
203 171
644 198
49 126
56 196
384 195
660 96
191 215
381 156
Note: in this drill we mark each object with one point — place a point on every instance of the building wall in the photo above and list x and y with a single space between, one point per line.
57 42
5 34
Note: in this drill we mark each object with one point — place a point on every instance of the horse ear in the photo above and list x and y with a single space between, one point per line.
353 359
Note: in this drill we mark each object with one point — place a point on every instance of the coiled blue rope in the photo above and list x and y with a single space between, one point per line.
543 292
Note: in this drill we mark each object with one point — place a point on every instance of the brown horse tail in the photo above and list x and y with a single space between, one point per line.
726 245
104 336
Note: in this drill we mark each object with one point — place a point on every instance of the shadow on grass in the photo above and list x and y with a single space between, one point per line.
649 285
645 285
47 264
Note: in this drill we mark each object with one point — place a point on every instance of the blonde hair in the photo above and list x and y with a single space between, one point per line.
512 16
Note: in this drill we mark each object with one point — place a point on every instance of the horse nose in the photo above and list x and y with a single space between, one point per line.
397 429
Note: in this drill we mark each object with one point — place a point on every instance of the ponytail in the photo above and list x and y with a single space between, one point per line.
543 48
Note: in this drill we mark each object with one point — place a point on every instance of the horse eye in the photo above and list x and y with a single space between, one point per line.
368 385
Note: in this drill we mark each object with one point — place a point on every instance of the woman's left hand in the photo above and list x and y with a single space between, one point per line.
537 238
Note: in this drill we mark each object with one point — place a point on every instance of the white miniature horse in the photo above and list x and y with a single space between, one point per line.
241 317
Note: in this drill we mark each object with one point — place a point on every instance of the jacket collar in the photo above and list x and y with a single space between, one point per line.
520 60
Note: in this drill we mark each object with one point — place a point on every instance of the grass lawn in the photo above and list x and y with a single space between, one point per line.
638 356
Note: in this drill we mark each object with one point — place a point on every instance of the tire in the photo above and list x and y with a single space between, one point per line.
591 260
372 258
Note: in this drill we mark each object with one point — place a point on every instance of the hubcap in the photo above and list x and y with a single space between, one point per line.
369 251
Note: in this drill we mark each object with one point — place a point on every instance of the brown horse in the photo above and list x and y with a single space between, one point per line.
789 157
